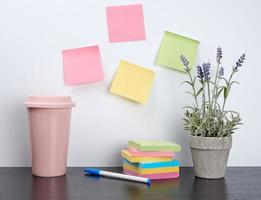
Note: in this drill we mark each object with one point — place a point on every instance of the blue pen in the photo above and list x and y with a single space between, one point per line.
117 175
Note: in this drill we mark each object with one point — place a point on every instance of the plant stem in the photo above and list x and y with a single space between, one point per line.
203 98
208 91
193 87
228 90
215 87
216 94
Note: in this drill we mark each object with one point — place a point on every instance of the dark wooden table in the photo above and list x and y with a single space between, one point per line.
18 184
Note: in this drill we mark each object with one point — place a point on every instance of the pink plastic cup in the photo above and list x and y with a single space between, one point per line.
49 121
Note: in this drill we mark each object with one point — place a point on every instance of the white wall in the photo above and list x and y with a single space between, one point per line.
33 33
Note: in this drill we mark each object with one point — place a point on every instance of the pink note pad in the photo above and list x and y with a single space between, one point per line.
153 176
125 23
82 65
136 152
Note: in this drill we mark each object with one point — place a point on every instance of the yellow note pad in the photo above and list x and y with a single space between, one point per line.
125 154
133 82
151 170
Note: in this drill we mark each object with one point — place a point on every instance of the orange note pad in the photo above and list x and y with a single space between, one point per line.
125 154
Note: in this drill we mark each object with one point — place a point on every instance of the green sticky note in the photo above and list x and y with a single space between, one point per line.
172 47
154 145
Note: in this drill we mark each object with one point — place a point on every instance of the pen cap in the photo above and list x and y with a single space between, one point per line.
92 171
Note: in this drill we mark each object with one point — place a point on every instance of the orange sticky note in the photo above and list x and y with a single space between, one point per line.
133 82
125 23
82 65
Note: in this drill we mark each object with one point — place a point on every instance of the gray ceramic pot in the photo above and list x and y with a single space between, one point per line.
210 155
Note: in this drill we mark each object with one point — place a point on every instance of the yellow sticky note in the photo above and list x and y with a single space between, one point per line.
133 82
151 170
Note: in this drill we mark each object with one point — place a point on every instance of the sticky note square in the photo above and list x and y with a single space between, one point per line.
133 82
172 47
125 23
125 154
154 145
82 65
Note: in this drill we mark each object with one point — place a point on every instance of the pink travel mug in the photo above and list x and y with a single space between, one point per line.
49 121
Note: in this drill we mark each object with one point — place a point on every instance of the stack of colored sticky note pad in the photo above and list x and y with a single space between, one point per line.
151 159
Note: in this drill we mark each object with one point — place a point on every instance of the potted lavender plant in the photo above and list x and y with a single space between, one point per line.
209 122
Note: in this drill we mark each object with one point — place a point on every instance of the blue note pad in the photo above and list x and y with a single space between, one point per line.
145 165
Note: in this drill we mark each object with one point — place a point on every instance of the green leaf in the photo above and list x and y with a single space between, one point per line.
225 92
231 111
236 82
199 91
190 107
225 81
186 82
218 106
219 92
211 82
194 80
190 93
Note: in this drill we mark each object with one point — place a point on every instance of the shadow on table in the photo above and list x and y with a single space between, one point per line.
54 188
178 189
209 189
160 189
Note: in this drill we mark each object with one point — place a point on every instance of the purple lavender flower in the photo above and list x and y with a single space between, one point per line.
185 62
206 68
240 61
219 55
221 71
200 73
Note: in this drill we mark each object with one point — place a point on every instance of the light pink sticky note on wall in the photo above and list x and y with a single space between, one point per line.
82 65
125 23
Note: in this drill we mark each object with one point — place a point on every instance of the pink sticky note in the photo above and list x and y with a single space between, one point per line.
135 152
125 23
82 65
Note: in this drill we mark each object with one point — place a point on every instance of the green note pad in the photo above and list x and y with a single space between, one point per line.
154 145
172 47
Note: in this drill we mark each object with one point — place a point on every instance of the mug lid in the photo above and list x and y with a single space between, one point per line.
49 102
